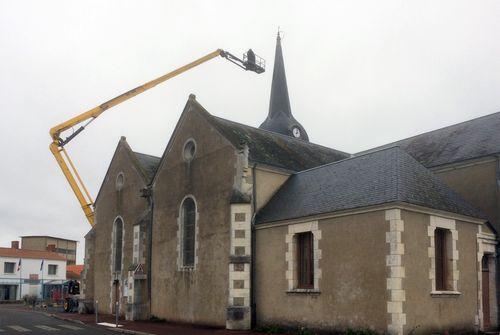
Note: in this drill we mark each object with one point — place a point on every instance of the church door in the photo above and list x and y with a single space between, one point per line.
116 284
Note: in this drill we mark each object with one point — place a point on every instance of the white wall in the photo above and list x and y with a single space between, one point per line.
30 267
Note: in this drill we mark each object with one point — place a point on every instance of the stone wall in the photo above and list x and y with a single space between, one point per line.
117 202
199 294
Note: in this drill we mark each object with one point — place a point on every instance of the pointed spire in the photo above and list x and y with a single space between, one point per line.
280 101
280 118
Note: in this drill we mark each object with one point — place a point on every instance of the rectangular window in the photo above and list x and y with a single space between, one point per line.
305 264
9 267
443 256
52 269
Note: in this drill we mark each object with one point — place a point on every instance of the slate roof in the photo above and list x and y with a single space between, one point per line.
467 140
274 149
149 164
384 176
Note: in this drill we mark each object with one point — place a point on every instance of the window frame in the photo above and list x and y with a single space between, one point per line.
115 249
305 260
189 150
183 264
119 181
442 250
291 255
52 266
13 267
448 284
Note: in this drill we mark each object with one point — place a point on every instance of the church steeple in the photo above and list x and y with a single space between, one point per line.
280 118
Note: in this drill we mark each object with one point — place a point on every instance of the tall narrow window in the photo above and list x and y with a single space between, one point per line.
188 232
442 244
118 239
305 269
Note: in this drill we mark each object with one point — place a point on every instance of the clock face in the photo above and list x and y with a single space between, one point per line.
296 132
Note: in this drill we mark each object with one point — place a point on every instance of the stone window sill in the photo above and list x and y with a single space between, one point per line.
310 291
445 294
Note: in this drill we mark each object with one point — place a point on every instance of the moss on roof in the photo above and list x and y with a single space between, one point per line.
274 149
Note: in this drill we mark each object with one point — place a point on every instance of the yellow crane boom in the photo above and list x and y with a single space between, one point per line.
250 62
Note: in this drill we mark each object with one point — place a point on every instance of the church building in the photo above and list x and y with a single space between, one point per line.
242 227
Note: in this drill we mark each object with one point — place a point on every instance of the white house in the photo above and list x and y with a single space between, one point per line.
23 272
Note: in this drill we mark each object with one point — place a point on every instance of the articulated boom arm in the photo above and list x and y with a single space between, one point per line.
57 145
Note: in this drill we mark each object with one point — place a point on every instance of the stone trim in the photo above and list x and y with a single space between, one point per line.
396 272
486 244
449 224
290 255
238 310
136 245
180 266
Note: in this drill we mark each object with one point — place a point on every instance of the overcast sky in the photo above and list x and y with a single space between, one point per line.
360 74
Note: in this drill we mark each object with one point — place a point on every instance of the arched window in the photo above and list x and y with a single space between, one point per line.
118 244
188 232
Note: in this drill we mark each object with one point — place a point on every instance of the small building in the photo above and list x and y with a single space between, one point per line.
62 246
25 272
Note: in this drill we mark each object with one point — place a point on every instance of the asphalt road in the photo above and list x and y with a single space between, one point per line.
18 321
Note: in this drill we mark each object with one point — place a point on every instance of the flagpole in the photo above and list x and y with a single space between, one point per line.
41 269
20 281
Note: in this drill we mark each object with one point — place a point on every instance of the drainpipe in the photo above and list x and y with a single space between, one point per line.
252 257
148 194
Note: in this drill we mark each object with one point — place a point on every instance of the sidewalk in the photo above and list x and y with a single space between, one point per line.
147 327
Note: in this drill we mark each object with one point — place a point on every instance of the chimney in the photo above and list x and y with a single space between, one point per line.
14 244
51 247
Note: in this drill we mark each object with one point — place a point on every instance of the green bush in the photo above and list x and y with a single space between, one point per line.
304 331
272 329
154 318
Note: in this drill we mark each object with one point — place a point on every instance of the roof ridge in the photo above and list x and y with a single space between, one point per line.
24 249
279 134
348 158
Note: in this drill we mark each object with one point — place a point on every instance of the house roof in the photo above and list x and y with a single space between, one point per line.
384 176
273 149
462 141
34 254
74 271
48 236
148 163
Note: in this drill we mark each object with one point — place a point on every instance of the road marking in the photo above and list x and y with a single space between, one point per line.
19 328
106 324
50 329
70 327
